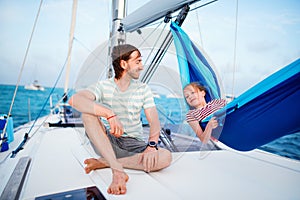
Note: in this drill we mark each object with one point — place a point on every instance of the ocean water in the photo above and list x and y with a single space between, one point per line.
170 111
28 103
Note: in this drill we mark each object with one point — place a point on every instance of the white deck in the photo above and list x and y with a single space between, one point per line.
57 165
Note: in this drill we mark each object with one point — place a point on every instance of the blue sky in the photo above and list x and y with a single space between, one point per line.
268 37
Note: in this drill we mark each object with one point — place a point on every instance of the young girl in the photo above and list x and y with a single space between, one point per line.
194 95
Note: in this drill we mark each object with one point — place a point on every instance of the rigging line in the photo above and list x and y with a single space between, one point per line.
160 110
22 67
95 57
164 46
145 39
203 5
45 103
159 22
158 57
26 136
235 45
149 69
198 24
90 51
152 49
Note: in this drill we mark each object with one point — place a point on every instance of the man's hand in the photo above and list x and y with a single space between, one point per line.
116 127
149 159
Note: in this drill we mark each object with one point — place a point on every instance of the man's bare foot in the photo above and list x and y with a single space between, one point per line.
118 185
93 164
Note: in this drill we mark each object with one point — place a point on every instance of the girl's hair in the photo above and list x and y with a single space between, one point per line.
196 85
121 52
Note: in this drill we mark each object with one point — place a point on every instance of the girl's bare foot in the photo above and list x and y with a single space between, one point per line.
93 164
118 185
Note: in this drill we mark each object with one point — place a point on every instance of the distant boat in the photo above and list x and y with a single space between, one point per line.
34 86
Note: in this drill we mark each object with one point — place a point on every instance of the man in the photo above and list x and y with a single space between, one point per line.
120 101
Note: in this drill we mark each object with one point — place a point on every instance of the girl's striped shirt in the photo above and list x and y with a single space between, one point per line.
201 113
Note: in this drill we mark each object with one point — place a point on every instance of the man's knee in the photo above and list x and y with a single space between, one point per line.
91 120
88 117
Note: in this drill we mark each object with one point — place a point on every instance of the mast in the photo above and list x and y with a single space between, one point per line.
116 36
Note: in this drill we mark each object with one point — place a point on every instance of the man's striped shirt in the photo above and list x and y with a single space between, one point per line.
126 105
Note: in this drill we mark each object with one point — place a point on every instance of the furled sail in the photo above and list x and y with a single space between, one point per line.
262 114
152 11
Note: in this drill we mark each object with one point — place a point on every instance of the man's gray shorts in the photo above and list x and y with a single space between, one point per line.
125 146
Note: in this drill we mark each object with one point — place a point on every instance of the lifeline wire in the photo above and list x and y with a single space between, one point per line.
235 45
26 136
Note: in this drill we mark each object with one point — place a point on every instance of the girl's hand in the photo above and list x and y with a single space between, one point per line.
213 123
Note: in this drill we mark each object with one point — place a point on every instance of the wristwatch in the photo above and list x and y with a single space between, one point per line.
152 144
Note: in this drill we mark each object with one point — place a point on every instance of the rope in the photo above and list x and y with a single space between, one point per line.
26 136
152 49
234 51
203 5
21 71
90 51
199 29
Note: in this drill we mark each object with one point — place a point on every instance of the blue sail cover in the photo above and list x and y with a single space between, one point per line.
265 112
